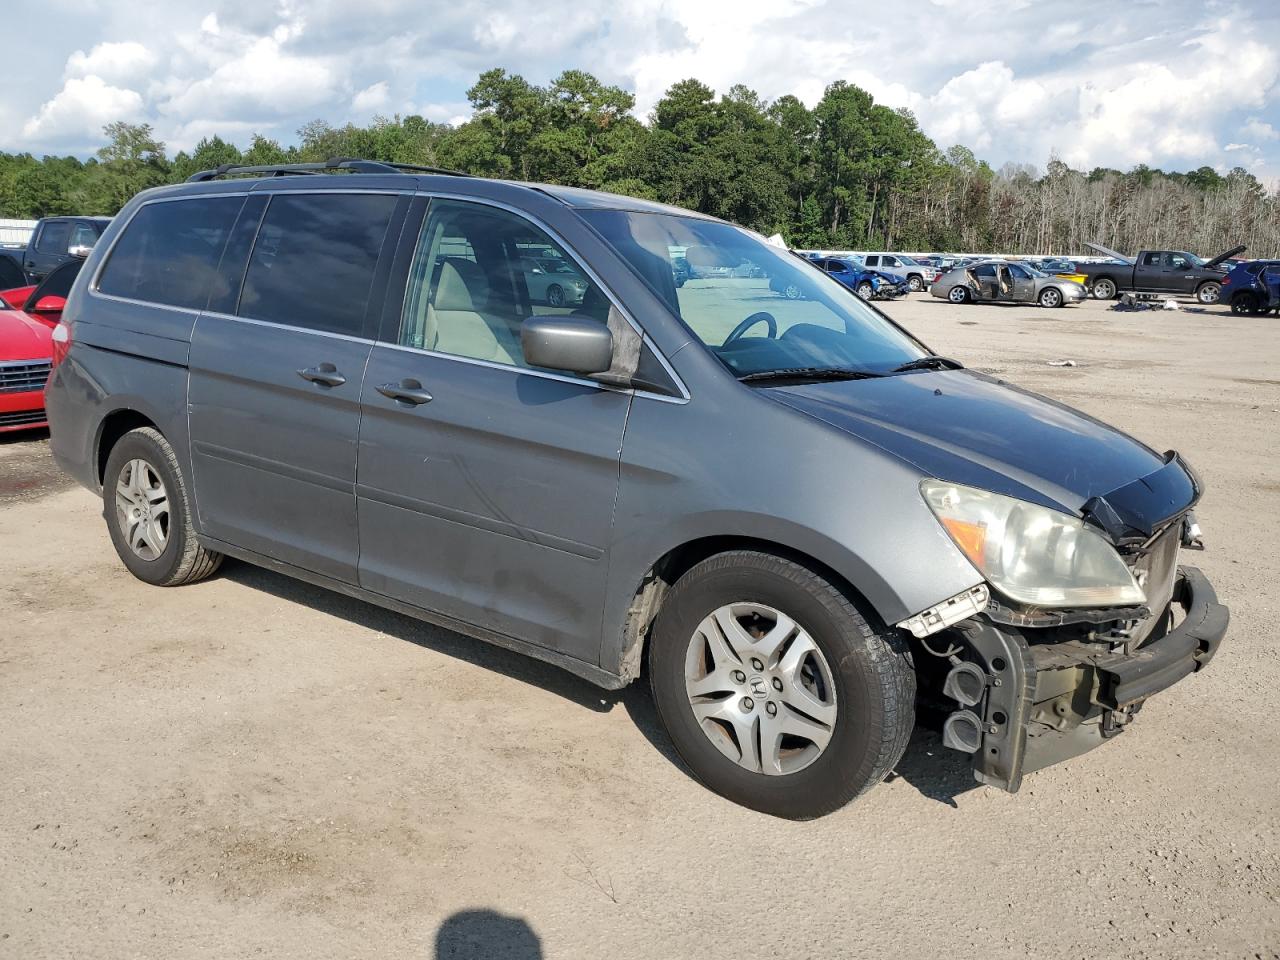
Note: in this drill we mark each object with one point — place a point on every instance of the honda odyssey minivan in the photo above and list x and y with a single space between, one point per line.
789 512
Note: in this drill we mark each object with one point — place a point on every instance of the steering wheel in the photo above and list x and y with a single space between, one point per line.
751 321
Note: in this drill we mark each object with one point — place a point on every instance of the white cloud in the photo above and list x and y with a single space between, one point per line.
372 98
1260 130
113 62
80 109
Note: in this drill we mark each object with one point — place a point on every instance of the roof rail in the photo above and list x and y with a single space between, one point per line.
332 165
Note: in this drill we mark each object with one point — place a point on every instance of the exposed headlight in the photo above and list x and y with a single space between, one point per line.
1031 554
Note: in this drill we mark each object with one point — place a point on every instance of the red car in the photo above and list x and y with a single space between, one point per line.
27 318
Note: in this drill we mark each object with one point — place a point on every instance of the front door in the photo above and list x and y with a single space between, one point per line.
1024 286
1180 277
486 488
276 368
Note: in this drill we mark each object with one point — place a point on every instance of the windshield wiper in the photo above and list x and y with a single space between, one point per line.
809 373
930 362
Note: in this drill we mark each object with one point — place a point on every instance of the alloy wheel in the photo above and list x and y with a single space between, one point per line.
1209 293
142 509
555 295
958 295
1050 297
760 688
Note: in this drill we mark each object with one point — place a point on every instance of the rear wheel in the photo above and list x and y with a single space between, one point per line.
777 690
958 294
1050 297
148 512
1245 304
1104 288
1209 293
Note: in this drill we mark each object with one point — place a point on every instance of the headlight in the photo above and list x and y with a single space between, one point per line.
1031 554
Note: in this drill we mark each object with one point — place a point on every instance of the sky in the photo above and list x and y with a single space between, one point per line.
1177 84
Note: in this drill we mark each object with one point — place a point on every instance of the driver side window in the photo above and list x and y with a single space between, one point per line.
478 273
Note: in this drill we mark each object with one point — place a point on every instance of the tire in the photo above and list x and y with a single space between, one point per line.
915 283
555 295
1104 288
862 667
1209 292
180 559
1051 297
865 290
958 294
792 291
1245 304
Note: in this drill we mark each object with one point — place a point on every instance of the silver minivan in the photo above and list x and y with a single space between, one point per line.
792 515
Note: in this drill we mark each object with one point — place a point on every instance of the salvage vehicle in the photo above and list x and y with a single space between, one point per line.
899 265
867 283
1243 287
55 241
999 281
798 516
1157 271
26 355
552 281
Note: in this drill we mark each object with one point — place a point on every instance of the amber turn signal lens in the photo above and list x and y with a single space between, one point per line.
969 537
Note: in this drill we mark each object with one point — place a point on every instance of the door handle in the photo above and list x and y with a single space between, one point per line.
406 391
325 374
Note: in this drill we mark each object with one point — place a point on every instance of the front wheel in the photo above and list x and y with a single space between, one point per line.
1245 304
776 689
865 290
1050 297
915 284
1209 293
148 512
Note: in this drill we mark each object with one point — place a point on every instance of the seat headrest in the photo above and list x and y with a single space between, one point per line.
462 286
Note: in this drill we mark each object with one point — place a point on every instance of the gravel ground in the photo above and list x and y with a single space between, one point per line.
254 767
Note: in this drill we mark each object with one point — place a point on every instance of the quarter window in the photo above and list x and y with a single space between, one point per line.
54 237
478 273
168 254
314 260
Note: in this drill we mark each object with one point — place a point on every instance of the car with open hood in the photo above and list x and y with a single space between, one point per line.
1175 272
792 510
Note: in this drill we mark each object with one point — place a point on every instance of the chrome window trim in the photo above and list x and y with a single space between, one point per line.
613 299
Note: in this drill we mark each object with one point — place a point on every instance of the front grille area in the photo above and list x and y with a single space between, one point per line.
22 418
1155 571
19 376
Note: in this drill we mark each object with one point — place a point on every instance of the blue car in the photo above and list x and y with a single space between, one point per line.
866 283
1244 288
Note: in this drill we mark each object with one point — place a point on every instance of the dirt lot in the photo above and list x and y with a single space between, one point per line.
253 767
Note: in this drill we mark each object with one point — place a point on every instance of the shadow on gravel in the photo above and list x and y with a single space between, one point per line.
516 665
938 773
486 935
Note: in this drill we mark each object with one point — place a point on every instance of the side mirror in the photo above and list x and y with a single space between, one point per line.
573 343
79 251
50 304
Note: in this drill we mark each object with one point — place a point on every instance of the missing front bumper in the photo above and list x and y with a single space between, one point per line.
1048 702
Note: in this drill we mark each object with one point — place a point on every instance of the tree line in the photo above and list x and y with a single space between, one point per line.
847 174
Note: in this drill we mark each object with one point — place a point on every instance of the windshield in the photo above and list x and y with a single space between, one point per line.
757 307
907 261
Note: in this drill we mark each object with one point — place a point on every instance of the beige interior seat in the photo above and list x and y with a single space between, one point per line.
458 321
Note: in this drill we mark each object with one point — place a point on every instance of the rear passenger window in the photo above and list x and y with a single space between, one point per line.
54 237
169 252
314 259
477 273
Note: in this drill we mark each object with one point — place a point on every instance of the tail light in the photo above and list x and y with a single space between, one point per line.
61 343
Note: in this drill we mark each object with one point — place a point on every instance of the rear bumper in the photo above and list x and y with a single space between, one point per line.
1048 702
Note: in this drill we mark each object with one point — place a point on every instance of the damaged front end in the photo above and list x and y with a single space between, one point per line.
1028 686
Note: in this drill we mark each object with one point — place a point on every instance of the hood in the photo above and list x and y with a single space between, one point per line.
969 428
1216 261
22 338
